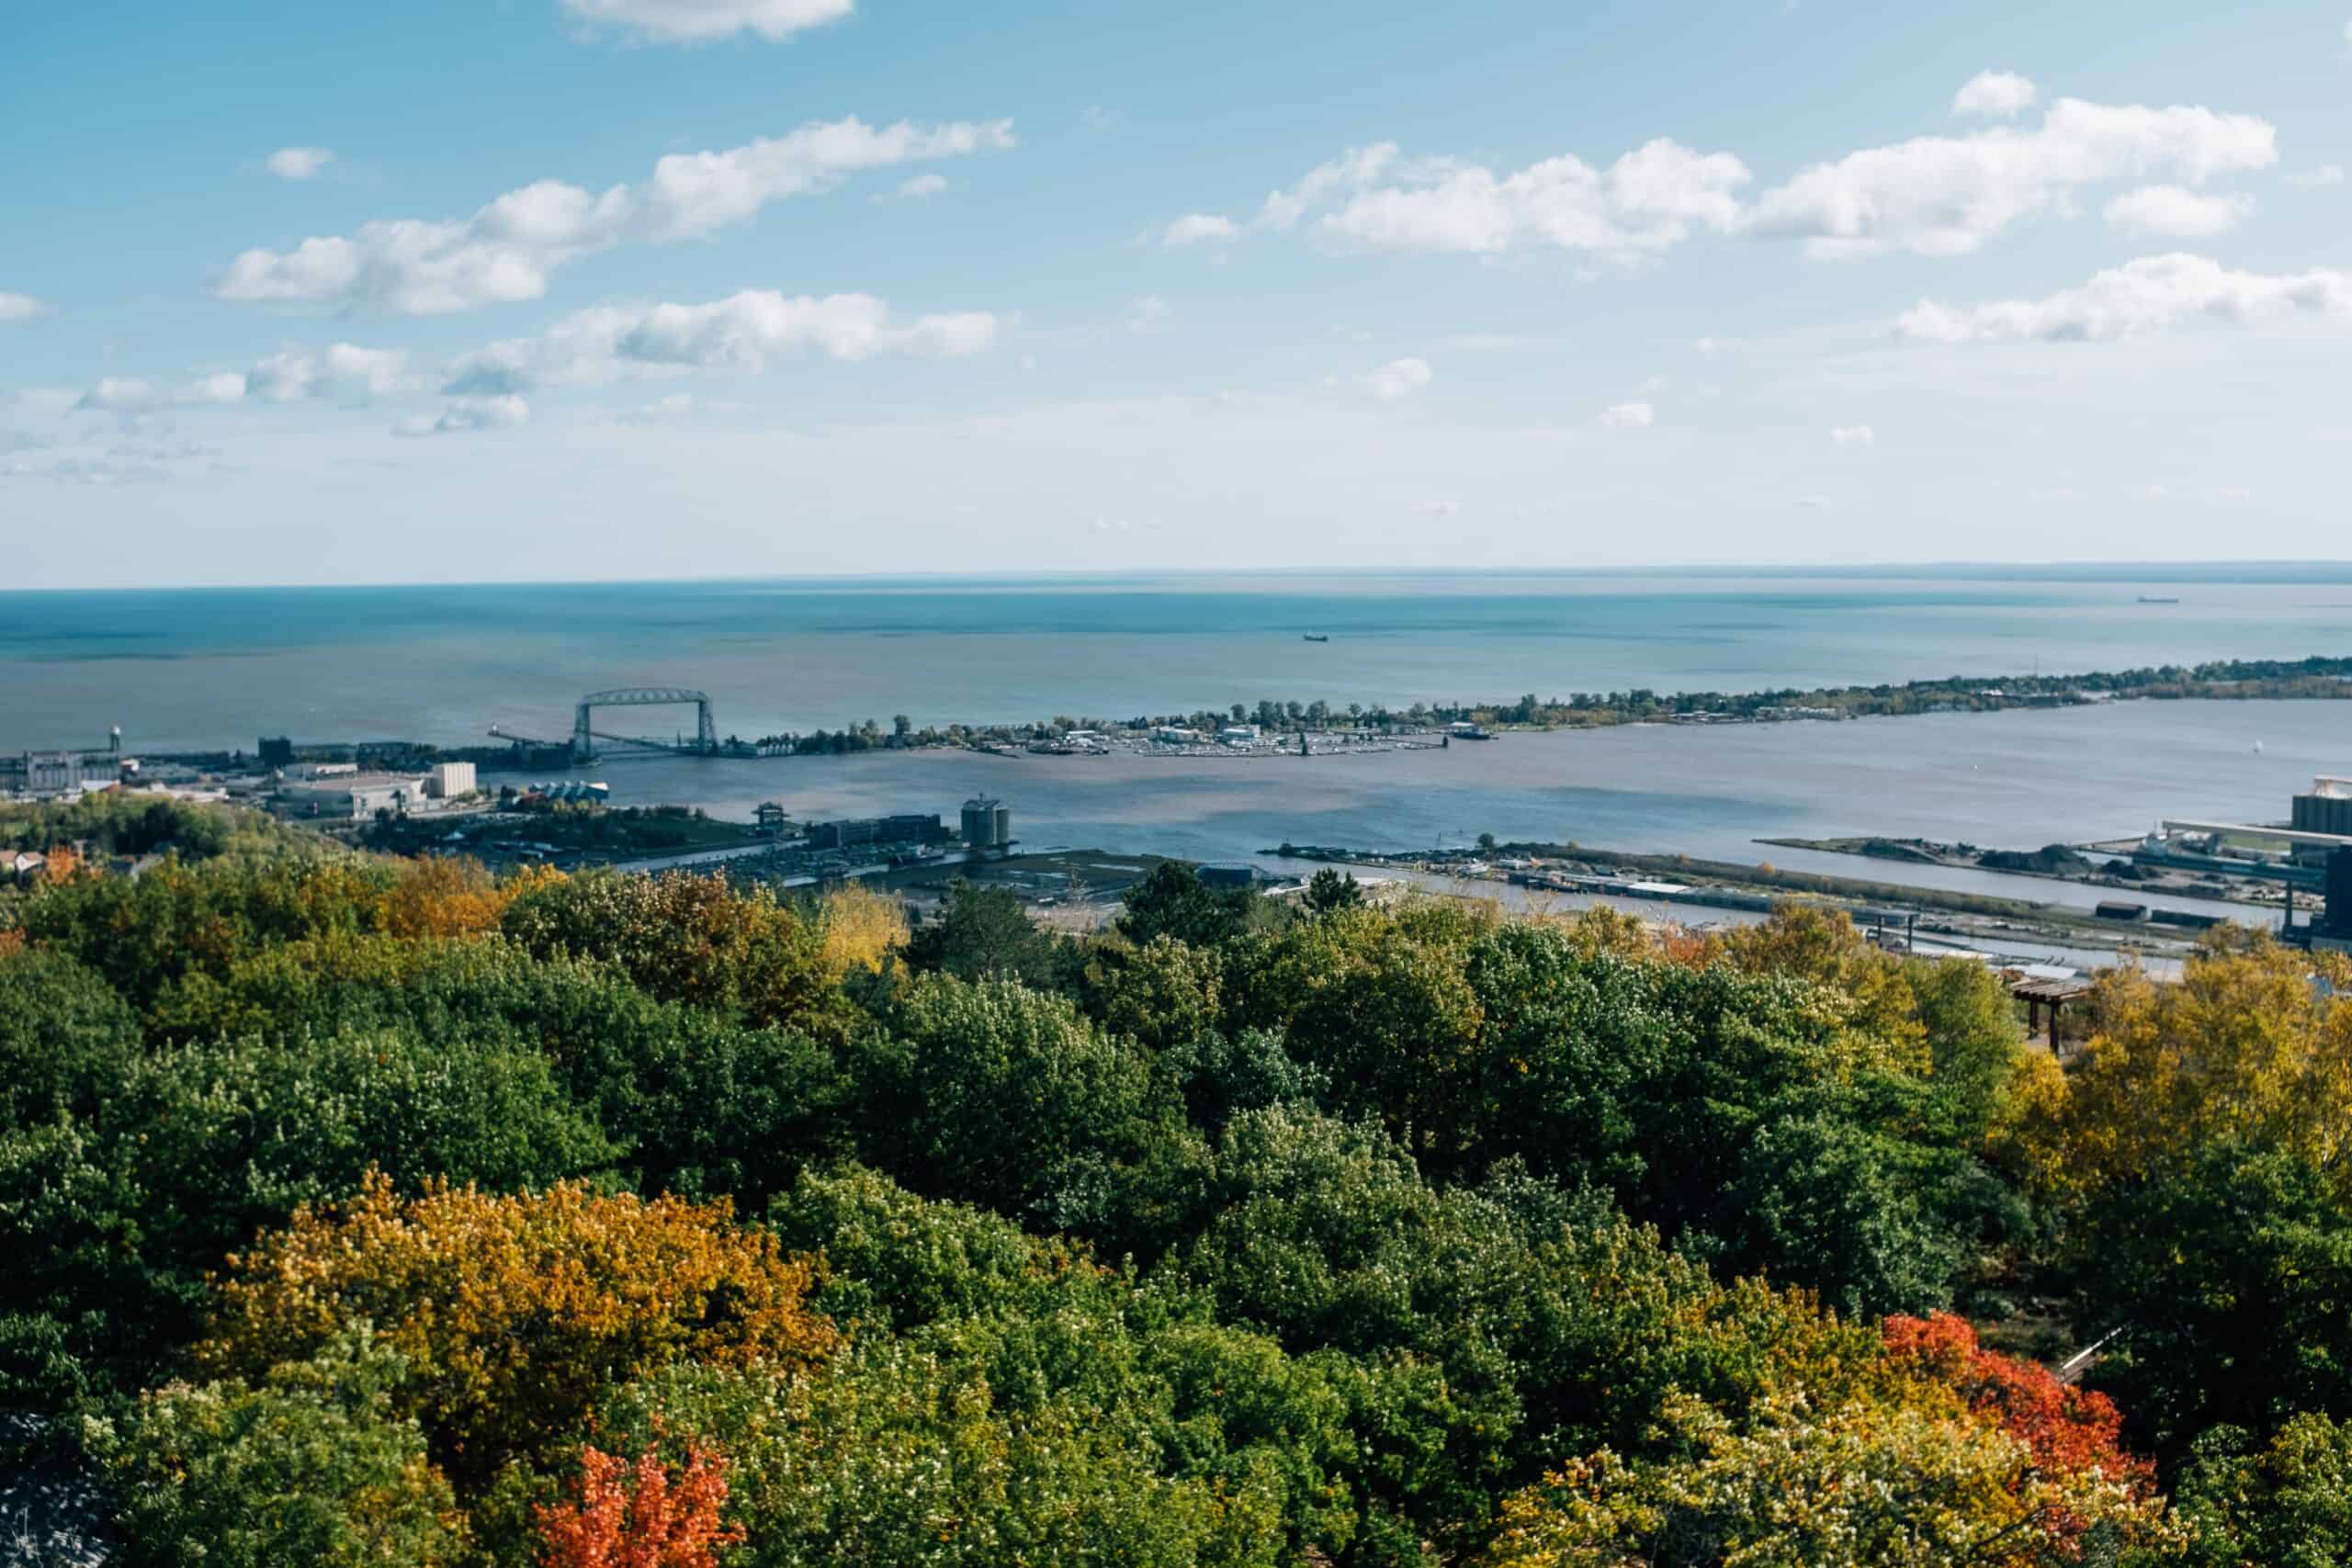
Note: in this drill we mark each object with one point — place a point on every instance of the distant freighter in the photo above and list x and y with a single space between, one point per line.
1317 637
2144 599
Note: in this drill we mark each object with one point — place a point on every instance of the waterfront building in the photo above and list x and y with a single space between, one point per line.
352 797
449 780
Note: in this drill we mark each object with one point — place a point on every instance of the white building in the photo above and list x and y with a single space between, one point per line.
449 780
353 797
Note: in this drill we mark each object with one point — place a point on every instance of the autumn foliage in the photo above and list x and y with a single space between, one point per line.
624 1514
2066 1428
513 1312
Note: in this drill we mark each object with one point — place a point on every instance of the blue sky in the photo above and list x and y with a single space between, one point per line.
697 287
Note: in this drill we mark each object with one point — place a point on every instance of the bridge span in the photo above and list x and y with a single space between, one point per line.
584 735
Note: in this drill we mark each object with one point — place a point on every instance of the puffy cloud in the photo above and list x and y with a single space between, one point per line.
2325 174
1351 170
922 186
1994 95
132 395
20 306
2176 210
1853 436
695 21
1648 200
1629 416
1398 378
461 414
1195 227
1943 196
2146 296
342 370
742 332
505 251
297 163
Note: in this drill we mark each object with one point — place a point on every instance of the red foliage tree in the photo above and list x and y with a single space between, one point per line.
635 1514
2065 1427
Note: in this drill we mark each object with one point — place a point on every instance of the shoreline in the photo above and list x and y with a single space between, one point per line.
1357 726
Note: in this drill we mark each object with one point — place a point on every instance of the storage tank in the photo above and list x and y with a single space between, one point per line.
1003 814
980 818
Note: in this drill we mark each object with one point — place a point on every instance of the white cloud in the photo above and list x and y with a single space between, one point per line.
1994 95
1816 503
1439 508
2141 297
696 21
1629 416
505 251
1943 196
20 306
1150 318
1399 380
1648 200
1351 170
297 163
922 186
504 413
740 333
2325 174
130 395
342 370
1853 436
2176 210
1094 117
1195 227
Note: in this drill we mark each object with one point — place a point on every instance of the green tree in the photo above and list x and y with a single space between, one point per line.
995 1094
311 1466
116 1220
985 933
2286 1503
1330 891
65 1038
692 939
1172 901
2228 1288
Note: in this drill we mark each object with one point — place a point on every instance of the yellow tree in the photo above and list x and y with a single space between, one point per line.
514 1312
2253 1046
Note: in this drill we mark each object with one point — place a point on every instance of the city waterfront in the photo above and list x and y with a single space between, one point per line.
2021 778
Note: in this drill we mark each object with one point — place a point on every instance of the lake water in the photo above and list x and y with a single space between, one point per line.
184 670
2017 779
217 668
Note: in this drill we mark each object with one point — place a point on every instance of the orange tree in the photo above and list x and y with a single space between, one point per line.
513 1312
625 1515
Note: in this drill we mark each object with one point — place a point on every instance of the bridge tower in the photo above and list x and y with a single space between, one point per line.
583 719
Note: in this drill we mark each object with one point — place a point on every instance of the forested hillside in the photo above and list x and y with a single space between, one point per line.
362 1212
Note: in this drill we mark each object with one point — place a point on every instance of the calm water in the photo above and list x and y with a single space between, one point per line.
215 668
2017 779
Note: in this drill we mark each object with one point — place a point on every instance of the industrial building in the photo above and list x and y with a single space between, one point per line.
2333 931
66 772
908 828
2326 809
448 781
352 797
988 824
